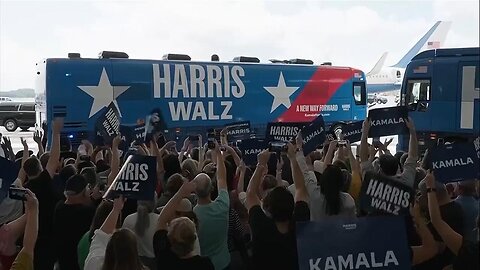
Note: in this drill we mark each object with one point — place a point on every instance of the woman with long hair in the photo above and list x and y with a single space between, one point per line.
114 250
143 224
122 252
335 202
84 244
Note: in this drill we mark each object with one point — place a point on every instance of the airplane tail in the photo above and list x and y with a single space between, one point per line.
433 39
378 66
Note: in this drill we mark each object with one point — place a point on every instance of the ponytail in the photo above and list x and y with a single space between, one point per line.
144 208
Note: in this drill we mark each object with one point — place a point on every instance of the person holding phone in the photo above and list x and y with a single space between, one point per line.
24 259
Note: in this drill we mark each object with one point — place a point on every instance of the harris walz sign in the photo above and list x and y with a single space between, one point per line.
136 179
282 131
108 124
383 195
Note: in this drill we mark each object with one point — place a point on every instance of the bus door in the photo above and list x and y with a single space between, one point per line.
468 97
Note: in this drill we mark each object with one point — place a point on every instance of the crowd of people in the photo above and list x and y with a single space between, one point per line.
211 211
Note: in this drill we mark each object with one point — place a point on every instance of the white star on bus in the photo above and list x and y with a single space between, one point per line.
281 93
103 94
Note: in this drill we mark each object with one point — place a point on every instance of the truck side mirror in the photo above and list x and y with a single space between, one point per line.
412 106
422 106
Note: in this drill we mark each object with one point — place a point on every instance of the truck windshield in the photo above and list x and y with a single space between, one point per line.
418 90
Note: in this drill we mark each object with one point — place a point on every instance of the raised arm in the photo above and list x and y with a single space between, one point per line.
26 154
201 153
241 178
301 193
363 141
31 228
115 161
54 158
223 136
278 172
110 222
413 143
254 184
452 239
168 212
37 137
8 146
221 170
236 157
331 151
428 248
184 149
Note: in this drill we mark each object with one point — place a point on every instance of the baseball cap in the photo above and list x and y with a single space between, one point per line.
76 184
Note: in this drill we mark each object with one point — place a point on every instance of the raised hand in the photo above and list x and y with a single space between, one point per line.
430 179
7 142
37 136
32 202
116 142
299 140
186 143
187 188
263 157
410 125
366 126
118 203
24 143
57 125
387 142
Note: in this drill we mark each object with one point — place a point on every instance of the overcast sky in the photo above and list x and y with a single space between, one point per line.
350 33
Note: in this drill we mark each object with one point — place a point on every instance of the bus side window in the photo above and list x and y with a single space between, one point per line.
418 90
359 93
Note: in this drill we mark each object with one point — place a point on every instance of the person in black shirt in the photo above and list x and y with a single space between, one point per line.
466 252
72 219
173 244
452 214
274 239
41 183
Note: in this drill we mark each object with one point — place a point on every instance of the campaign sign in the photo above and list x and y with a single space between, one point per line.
280 131
139 133
383 195
346 243
136 179
454 162
238 131
250 149
8 173
352 132
109 124
388 121
313 135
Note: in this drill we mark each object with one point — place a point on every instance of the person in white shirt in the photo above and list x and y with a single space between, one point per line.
143 224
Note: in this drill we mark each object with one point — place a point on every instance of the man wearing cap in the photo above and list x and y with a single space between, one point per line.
72 219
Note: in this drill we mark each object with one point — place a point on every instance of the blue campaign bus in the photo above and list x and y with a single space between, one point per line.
442 89
193 96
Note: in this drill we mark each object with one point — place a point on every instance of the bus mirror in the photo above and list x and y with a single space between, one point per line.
412 106
422 106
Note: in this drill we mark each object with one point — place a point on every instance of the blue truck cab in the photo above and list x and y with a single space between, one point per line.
441 88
